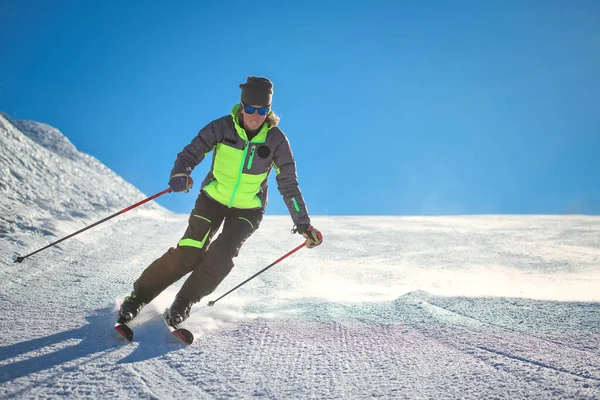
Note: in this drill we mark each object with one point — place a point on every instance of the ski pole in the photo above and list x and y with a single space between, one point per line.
20 259
212 303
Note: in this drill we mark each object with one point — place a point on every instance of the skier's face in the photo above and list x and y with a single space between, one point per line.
253 121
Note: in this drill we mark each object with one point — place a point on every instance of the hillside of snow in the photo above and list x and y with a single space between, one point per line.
48 187
461 307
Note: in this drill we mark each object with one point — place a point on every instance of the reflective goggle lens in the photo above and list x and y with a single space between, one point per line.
251 110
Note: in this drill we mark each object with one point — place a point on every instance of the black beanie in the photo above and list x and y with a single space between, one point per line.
257 91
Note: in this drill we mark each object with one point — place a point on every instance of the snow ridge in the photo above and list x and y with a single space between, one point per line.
47 137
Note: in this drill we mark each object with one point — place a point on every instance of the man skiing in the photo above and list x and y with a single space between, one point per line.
246 146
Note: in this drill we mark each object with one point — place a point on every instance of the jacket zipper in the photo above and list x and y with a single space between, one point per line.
239 180
251 157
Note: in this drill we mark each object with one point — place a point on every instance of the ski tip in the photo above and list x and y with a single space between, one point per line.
181 333
185 335
124 331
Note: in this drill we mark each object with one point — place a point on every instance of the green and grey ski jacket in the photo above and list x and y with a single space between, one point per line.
240 167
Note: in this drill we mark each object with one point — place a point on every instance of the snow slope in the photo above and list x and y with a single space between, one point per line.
392 307
49 188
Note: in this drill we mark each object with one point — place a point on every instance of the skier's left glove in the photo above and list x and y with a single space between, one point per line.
181 183
312 235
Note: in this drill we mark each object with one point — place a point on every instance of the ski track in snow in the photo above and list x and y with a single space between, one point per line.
393 307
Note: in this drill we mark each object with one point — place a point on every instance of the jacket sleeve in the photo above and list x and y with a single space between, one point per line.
195 152
287 183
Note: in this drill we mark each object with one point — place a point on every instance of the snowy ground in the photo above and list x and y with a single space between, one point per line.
461 307
393 307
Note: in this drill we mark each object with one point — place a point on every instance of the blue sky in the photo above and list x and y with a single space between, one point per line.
392 108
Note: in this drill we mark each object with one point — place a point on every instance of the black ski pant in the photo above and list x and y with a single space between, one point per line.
209 262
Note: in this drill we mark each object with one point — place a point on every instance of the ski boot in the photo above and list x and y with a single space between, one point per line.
129 309
178 312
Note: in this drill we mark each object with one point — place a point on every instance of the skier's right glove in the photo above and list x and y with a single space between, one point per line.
181 183
313 236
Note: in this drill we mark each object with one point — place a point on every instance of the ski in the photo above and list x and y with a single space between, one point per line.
124 331
121 324
181 333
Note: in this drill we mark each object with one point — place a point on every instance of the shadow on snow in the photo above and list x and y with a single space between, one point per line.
96 337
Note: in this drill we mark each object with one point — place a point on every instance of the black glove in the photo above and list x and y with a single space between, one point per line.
181 183
312 235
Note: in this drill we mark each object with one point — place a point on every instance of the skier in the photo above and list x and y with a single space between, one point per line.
246 146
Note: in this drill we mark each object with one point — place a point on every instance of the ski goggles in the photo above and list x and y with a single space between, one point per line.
252 110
